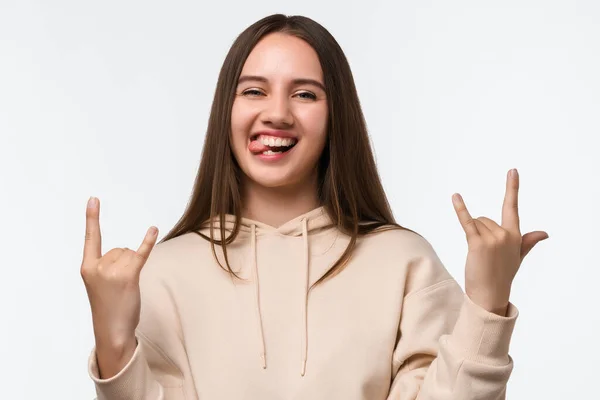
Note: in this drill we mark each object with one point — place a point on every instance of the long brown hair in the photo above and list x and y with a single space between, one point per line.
348 182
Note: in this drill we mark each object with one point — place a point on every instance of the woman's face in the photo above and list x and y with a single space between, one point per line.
279 115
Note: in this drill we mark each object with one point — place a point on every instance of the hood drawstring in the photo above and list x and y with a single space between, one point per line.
313 221
305 300
304 333
263 355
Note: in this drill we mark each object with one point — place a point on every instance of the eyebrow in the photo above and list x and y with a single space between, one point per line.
297 81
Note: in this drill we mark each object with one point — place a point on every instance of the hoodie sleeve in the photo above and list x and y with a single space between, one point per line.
159 368
449 347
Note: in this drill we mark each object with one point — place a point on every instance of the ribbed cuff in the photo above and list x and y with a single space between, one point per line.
482 336
133 382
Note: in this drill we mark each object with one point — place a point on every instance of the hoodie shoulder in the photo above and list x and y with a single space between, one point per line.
187 243
176 253
406 253
399 242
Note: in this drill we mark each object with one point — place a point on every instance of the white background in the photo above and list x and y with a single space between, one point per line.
111 99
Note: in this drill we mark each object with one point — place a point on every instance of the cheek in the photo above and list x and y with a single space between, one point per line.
314 126
241 121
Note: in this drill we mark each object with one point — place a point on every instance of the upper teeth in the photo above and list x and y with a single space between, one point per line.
276 141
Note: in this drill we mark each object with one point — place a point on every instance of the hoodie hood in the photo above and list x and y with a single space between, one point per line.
310 223
316 220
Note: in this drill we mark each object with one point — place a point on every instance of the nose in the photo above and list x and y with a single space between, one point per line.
277 111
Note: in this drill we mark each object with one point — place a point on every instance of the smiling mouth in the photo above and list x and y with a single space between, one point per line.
271 145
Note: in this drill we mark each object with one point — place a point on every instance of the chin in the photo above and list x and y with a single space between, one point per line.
276 175
271 182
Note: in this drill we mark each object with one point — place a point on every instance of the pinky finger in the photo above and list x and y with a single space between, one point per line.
147 245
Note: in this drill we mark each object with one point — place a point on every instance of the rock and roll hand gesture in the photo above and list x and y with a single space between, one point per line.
495 251
112 284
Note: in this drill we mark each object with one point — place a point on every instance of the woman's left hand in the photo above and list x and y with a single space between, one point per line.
495 251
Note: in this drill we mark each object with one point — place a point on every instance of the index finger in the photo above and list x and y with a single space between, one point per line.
510 207
464 217
92 247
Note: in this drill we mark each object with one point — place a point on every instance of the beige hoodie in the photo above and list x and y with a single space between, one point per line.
392 325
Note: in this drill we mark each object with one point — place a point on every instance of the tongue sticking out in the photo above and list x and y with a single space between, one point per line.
256 146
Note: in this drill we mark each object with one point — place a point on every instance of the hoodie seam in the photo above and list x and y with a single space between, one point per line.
333 242
296 235
164 355
429 288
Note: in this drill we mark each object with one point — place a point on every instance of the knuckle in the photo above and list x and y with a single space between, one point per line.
503 236
102 267
106 262
114 276
114 254
109 254
111 275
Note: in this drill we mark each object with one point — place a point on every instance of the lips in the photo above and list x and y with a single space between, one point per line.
274 133
267 144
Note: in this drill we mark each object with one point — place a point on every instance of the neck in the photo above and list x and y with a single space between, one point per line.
276 206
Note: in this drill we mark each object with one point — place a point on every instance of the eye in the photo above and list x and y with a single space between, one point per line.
307 95
252 93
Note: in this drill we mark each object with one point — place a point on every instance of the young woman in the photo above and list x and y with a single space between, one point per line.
287 276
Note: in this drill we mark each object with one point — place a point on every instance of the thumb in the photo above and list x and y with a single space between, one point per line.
529 240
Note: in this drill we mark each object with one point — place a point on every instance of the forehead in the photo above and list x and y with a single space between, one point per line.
280 55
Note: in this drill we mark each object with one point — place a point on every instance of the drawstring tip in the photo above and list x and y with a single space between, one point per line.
264 361
303 370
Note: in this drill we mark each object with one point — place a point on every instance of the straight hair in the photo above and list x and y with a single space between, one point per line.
349 186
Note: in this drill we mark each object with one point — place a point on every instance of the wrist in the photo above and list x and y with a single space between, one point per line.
496 303
117 347
500 310
112 358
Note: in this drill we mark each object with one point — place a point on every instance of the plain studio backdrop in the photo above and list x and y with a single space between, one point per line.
111 99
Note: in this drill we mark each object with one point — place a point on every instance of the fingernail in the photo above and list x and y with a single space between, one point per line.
456 197
152 231
91 202
513 173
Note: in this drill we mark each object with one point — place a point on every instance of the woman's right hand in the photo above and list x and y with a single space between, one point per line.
112 285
